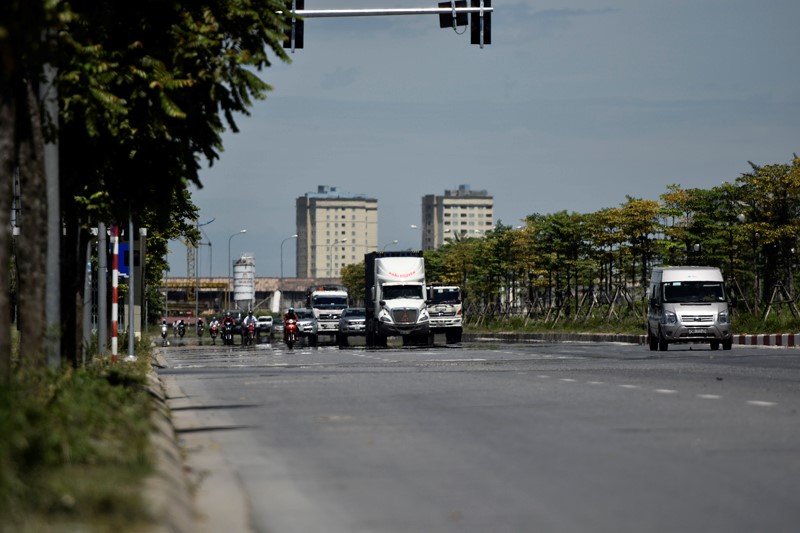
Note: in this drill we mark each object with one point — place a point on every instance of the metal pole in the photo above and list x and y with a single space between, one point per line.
327 13
131 292
102 289
283 241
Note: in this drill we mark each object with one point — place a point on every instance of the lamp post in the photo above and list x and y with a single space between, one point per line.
228 285
330 255
389 244
283 241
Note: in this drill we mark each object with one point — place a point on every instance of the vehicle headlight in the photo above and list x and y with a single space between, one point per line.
669 318
385 317
424 316
723 318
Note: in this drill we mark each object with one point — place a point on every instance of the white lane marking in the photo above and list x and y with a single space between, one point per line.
627 386
542 376
568 380
760 403
666 391
709 396
596 382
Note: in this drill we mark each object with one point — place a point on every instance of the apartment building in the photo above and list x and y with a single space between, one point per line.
334 229
459 213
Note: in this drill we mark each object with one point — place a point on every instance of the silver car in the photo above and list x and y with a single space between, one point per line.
352 323
307 325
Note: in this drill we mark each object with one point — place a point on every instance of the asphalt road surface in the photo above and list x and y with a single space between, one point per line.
490 437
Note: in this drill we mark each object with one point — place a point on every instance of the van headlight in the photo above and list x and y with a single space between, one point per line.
669 318
723 318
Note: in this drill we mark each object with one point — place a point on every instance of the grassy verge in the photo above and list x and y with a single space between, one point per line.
74 448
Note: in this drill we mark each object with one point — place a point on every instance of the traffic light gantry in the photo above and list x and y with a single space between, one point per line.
452 14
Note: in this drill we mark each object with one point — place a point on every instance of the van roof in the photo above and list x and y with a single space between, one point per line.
690 273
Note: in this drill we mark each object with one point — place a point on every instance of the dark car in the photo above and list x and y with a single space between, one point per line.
352 323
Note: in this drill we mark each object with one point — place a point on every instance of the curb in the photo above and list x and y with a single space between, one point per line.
167 491
783 340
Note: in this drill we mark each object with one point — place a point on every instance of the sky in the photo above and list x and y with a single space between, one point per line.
576 105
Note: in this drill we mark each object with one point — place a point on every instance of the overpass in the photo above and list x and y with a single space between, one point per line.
207 294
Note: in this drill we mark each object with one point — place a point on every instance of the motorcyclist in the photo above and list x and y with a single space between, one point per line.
290 315
249 318
228 319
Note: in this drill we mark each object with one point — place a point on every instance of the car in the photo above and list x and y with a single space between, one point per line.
307 325
352 323
277 329
264 326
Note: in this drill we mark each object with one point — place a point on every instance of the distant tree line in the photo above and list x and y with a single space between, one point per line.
581 265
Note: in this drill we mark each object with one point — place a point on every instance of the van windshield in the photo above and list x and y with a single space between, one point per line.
693 292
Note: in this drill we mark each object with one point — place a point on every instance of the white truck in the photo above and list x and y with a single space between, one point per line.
445 308
394 298
327 302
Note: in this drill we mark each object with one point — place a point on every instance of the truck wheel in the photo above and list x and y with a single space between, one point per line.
312 340
341 340
715 345
453 337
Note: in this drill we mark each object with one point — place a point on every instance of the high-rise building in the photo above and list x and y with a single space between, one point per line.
458 214
334 229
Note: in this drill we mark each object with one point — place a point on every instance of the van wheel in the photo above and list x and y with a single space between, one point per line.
727 344
652 341
663 346
715 345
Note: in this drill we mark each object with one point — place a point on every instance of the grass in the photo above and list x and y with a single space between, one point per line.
74 449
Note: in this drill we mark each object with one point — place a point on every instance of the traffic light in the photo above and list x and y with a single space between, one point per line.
446 20
294 34
481 23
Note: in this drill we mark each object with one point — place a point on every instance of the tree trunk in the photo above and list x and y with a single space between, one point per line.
6 193
32 250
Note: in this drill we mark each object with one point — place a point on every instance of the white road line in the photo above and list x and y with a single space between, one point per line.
627 386
666 391
760 403
709 396
568 380
596 382
542 376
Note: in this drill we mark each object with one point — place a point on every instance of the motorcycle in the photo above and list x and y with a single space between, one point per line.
227 334
181 329
213 330
290 332
164 329
249 334
200 330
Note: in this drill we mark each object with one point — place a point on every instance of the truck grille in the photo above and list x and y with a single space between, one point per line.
404 316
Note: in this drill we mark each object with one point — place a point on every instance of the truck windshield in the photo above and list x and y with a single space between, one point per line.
393 292
693 292
339 302
446 296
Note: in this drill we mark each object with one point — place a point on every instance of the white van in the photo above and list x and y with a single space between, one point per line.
688 304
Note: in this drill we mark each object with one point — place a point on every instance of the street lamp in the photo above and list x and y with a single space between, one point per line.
227 287
389 244
283 241
330 255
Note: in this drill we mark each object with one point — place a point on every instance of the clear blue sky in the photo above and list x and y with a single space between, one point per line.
576 104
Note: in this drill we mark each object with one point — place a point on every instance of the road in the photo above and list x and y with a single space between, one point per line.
490 438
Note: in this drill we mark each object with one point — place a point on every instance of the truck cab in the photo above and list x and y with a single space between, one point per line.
395 298
445 306
327 302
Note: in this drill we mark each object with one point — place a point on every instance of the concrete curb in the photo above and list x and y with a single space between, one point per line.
784 340
167 492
